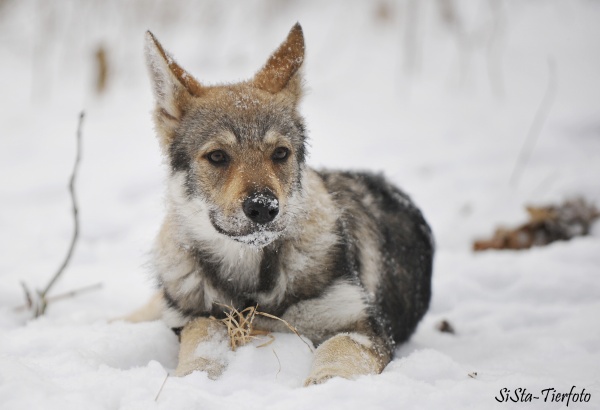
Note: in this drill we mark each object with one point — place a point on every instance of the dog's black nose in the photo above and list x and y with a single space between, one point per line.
261 207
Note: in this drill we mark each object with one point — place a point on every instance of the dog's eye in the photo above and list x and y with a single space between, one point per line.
218 157
280 154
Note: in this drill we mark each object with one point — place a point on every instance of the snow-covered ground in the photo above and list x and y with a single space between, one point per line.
442 102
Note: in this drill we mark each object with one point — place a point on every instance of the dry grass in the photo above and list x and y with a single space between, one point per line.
240 326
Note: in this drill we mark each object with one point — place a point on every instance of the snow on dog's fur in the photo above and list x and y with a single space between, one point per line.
345 257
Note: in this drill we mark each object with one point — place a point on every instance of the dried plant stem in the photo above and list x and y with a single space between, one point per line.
268 342
495 48
51 299
278 362
537 124
161 387
28 299
41 308
240 327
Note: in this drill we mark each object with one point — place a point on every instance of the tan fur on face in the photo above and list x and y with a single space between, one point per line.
250 169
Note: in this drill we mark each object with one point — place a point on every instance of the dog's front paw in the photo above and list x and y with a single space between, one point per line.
320 376
212 368
203 347
346 356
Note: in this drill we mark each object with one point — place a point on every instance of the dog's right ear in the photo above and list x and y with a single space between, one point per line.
282 70
173 87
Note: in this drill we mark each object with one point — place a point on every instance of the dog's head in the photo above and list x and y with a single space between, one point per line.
236 151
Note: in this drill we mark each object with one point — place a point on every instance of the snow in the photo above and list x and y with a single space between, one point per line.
270 202
259 238
446 125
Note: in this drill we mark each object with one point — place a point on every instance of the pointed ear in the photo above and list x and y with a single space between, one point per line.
281 72
171 84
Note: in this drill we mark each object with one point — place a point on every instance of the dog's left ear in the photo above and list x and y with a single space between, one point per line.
282 70
173 87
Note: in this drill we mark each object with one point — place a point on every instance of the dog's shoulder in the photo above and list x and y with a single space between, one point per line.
370 198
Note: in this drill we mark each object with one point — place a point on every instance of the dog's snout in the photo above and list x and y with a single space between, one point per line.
261 207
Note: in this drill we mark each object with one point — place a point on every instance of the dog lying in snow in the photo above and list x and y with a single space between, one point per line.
345 257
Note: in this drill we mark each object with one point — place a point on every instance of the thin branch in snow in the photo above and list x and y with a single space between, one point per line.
495 48
30 301
28 298
538 123
43 302
278 361
161 387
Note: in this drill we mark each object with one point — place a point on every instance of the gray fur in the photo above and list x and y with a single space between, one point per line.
348 252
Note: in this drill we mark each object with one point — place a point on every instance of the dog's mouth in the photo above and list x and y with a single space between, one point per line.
257 235
258 239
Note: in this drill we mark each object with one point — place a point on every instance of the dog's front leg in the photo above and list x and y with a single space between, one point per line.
201 342
346 355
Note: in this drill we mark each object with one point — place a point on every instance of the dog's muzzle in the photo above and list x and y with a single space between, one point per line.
261 207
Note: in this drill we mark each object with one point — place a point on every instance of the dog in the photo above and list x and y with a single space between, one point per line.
345 257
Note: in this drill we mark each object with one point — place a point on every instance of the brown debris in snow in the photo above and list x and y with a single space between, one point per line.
546 224
445 327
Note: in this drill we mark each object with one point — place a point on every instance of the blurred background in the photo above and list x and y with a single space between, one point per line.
440 95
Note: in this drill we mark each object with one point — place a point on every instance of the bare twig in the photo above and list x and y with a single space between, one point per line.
161 387
495 47
28 299
43 294
70 294
537 124
278 361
